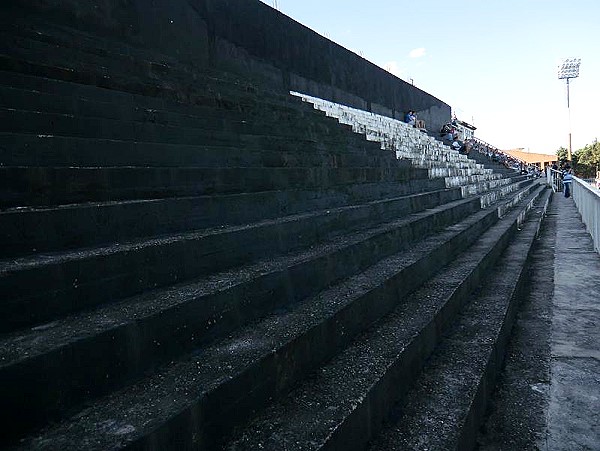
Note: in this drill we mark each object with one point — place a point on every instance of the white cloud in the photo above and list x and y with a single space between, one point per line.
417 53
393 68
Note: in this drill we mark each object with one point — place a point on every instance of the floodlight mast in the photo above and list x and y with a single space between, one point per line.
569 68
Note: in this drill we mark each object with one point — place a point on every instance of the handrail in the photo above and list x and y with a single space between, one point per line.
554 178
587 200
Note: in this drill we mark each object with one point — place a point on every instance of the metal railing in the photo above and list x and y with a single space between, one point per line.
587 199
554 178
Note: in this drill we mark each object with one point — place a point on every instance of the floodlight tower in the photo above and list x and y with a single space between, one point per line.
569 68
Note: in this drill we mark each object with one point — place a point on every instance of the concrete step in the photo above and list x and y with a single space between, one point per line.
67 282
130 85
51 229
18 149
38 186
203 104
345 402
441 416
493 193
204 90
63 97
489 163
170 321
261 361
204 117
449 171
221 133
432 159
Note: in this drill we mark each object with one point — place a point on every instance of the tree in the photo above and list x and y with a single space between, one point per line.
562 154
588 160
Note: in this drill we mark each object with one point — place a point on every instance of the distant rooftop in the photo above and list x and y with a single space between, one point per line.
530 157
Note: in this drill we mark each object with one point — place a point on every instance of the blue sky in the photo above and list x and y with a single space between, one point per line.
495 62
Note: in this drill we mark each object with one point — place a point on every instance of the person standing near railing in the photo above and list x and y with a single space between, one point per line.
567 180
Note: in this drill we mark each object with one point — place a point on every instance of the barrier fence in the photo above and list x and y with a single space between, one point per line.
587 200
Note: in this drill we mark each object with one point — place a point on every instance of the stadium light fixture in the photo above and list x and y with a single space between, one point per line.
569 68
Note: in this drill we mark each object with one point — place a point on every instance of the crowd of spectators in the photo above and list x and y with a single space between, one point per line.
449 134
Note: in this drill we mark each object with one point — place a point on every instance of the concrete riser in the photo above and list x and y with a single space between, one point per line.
82 282
219 133
189 324
232 402
44 230
128 68
228 95
479 406
364 423
372 406
252 105
152 212
31 186
59 151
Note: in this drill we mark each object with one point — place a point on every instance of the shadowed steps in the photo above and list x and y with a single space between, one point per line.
442 248
188 255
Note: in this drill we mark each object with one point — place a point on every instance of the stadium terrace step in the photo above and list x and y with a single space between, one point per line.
55 96
344 403
37 186
448 415
86 277
190 252
186 312
144 87
60 151
409 143
210 90
201 117
211 104
82 225
226 133
312 339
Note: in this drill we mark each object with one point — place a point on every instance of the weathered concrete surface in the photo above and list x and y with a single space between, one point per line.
574 409
549 395
244 35
517 418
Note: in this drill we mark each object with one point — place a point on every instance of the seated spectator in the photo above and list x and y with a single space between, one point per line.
456 144
446 128
466 147
411 118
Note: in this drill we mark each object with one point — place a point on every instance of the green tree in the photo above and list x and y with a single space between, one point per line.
588 160
562 154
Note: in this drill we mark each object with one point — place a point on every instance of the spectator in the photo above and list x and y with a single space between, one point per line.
445 129
567 180
411 118
456 144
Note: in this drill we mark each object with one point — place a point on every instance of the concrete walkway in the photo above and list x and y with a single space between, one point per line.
548 396
574 397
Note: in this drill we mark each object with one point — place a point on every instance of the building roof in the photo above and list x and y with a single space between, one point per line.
529 157
466 124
